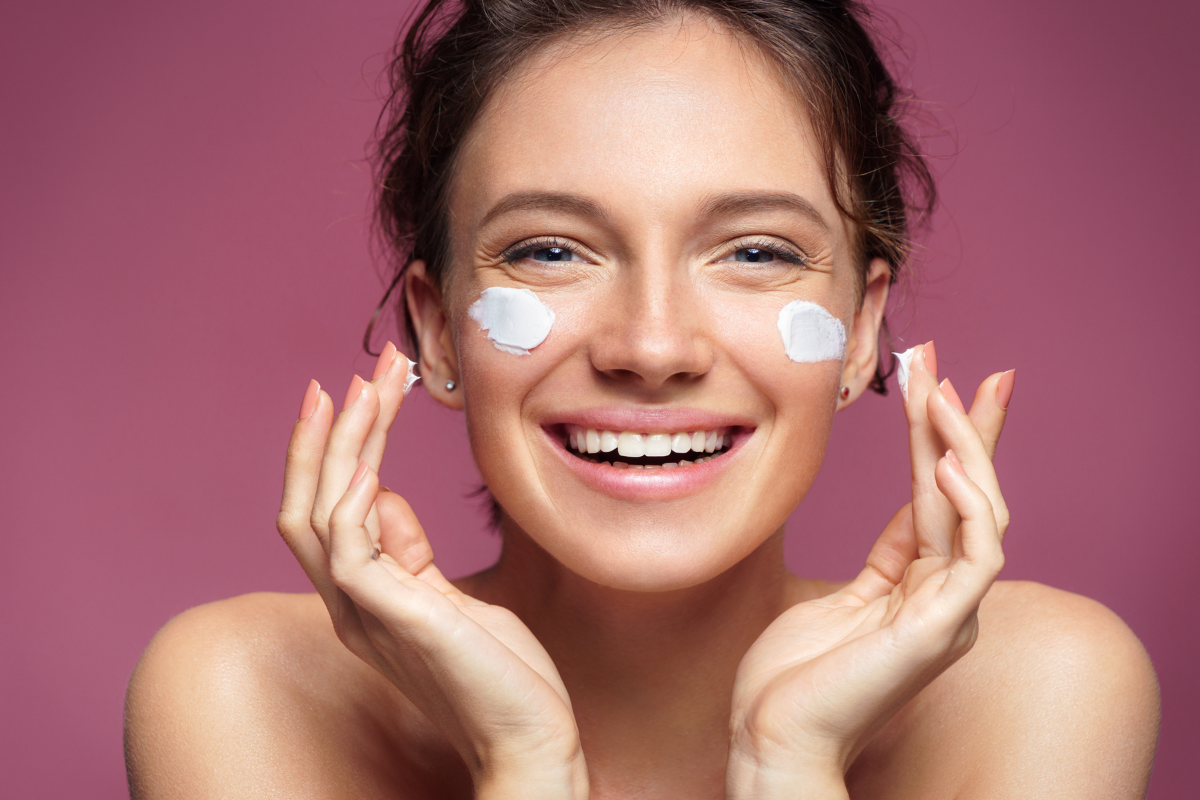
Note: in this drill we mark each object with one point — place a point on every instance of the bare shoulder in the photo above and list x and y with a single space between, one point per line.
255 696
1057 698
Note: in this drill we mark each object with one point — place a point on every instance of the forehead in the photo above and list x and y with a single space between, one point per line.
649 122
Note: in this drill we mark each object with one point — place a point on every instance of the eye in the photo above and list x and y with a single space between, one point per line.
544 251
764 252
753 255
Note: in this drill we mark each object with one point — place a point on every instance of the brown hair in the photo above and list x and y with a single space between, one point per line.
456 52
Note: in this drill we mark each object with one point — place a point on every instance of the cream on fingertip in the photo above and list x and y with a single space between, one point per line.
412 377
904 370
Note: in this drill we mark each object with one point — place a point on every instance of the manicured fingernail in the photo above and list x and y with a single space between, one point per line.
1004 388
948 389
930 355
309 404
359 473
954 463
412 377
356 388
385 360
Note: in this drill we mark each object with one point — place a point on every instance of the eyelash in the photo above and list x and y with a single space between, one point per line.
525 249
774 248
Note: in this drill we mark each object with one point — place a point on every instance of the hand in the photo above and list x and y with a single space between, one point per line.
474 669
828 674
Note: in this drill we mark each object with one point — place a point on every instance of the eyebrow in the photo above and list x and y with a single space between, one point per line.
735 203
545 201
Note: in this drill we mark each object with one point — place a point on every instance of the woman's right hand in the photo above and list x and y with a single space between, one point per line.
474 669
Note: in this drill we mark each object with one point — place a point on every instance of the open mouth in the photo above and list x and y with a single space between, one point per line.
637 450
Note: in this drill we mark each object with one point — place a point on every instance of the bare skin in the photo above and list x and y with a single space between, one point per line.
620 648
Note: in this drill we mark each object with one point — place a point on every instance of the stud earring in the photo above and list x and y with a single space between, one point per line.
845 392
451 386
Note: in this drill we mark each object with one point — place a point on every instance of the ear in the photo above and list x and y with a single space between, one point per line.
438 357
862 351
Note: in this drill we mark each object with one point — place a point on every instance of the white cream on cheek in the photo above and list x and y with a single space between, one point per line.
515 319
903 370
810 333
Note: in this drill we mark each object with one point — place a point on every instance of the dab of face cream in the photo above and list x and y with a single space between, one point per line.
810 333
903 370
514 319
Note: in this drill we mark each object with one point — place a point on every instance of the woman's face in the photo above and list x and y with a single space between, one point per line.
663 194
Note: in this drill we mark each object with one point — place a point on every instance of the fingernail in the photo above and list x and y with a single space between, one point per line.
948 389
930 355
954 463
356 387
1004 388
309 404
384 361
359 473
412 377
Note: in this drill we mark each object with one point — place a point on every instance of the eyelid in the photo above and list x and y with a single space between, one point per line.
525 247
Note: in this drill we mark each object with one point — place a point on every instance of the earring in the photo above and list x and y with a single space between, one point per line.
845 392
451 386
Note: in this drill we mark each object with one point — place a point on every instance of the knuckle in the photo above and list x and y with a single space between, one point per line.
288 524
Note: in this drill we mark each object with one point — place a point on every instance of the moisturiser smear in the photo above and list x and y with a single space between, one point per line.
411 378
810 333
903 370
515 320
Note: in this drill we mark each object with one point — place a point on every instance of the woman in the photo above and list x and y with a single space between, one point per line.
646 246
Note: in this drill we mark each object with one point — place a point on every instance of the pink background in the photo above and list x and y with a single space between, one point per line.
183 245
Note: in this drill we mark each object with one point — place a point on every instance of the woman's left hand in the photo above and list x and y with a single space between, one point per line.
828 674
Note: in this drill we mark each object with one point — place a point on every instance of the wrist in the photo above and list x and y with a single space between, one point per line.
534 780
751 777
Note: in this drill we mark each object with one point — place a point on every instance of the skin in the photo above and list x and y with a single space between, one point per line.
645 646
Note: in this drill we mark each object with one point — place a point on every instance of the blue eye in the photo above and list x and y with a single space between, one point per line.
550 254
754 255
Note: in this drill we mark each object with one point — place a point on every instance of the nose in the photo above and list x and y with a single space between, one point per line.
653 332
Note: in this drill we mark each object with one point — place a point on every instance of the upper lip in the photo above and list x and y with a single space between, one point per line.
649 420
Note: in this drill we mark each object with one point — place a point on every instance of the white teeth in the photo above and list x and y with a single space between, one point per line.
658 444
631 444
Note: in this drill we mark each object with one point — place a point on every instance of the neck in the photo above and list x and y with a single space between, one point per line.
650 674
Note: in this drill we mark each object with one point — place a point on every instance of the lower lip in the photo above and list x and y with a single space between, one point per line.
630 483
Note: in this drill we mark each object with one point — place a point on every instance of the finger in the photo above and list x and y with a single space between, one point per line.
403 539
343 451
960 435
934 518
982 556
304 455
391 380
989 409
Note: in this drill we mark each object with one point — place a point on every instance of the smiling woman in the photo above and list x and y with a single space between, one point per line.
646 246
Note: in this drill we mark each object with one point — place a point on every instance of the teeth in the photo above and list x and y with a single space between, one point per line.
658 444
633 444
